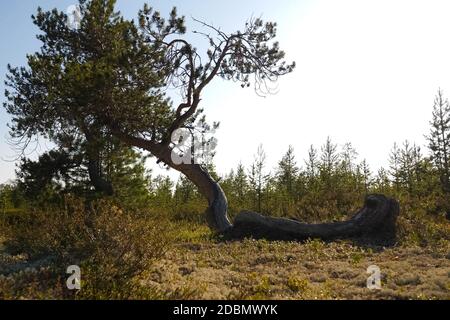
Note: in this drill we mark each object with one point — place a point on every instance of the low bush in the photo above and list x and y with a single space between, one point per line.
111 246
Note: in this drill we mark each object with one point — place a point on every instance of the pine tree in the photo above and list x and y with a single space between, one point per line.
312 164
329 157
439 139
365 174
409 163
240 182
184 191
125 168
382 183
258 178
162 195
406 165
109 76
287 173
348 156
102 64
394 166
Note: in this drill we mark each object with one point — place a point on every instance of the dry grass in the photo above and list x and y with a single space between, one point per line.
314 270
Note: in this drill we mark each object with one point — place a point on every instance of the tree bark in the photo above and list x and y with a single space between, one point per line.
217 212
100 183
374 223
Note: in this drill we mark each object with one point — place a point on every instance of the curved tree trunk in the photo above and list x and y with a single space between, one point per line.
374 222
217 211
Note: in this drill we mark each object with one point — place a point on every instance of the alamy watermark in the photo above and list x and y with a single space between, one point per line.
374 280
73 13
193 145
74 281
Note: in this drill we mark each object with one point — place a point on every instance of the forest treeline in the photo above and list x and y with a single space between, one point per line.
329 185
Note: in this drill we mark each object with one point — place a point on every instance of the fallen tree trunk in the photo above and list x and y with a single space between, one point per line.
374 223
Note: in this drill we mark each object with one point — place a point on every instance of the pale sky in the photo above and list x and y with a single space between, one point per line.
367 73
